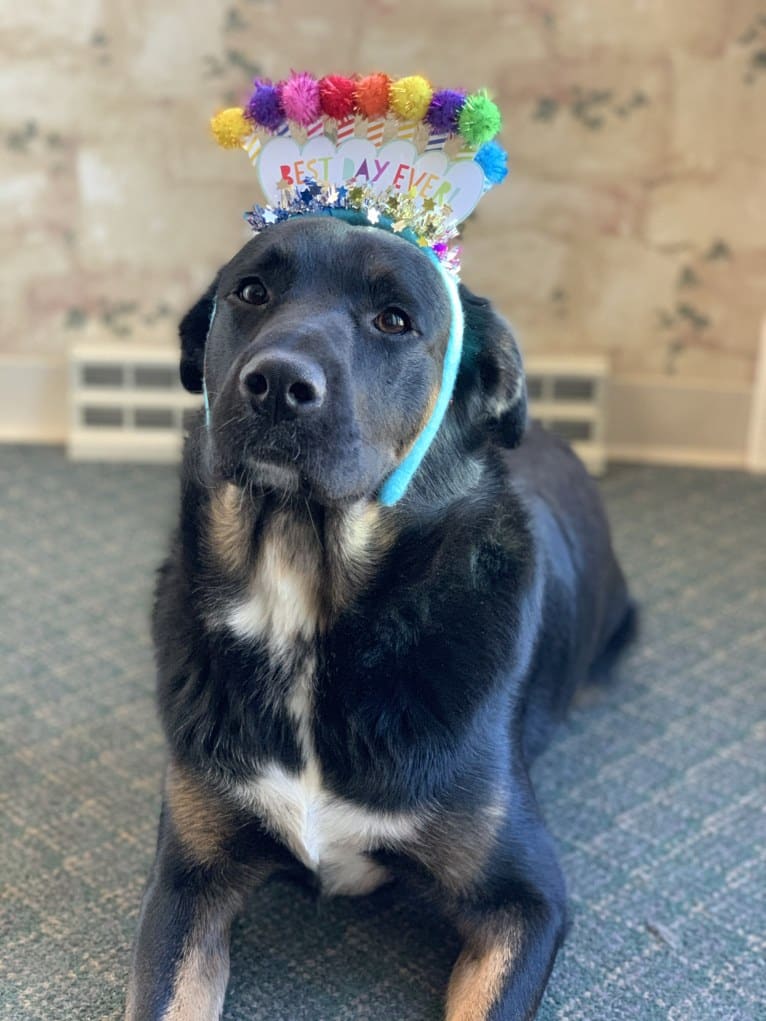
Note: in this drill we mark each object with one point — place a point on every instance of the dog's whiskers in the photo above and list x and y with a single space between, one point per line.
313 524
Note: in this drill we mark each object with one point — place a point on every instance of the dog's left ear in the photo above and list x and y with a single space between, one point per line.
491 380
193 331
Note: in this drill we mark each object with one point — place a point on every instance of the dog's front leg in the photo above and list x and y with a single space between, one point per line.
505 962
207 861
501 884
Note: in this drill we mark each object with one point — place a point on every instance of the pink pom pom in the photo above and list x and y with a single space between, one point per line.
300 98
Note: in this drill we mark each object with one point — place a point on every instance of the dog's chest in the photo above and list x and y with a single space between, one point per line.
330 834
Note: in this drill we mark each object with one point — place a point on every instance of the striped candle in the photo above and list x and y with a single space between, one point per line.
407 130
436 141
375 131
315 128
252 146
345 129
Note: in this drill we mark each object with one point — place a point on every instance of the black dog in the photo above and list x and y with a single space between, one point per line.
355 691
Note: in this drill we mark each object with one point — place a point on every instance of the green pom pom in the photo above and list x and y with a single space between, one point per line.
479 119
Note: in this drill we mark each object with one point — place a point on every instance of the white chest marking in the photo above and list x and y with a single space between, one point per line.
281 602
330 835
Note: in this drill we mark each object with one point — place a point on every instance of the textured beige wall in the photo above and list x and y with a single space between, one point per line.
634 220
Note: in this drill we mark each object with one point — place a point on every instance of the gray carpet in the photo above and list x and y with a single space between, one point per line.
654 790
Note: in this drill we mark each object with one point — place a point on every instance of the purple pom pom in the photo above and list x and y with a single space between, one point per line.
444 110
265 106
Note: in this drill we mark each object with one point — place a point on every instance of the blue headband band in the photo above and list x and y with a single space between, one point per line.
204 359
395 486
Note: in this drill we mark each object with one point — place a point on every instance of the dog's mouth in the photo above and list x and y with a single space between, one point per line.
264 470
270 473
274 458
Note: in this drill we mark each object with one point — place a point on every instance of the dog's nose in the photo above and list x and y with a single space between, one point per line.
287 384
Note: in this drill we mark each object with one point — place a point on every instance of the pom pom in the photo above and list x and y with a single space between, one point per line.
445 109
229 127
371 95
480 119
300 98
265 105
493 160
336 94
410 98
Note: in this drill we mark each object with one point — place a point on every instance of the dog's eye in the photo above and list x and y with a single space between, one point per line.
392 320
253 292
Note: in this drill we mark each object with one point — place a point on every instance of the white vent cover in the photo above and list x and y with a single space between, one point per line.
567 394
127 403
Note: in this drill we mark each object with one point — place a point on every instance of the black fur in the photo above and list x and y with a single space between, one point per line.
442 669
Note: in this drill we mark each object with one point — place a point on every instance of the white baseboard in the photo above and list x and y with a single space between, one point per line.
680 457
33 399
664 420
152 447
650 420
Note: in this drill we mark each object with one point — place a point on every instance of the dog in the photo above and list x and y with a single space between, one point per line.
354 692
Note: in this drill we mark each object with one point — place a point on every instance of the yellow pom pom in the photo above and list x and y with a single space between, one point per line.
230 127
410 98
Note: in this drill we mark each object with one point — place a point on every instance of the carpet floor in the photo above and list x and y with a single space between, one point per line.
654 789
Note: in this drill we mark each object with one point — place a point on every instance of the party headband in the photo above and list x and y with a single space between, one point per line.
397 155
396 151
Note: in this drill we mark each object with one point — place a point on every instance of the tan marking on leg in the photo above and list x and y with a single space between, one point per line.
477 981
200 985
455 847
202 821
230 526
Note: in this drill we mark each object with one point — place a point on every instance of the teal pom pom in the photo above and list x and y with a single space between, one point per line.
493 160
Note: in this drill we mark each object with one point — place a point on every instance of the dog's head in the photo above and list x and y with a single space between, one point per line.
321 345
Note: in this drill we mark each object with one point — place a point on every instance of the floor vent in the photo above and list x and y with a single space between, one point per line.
567 394
127 404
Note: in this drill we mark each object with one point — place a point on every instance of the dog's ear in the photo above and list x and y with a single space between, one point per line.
193 331
492 373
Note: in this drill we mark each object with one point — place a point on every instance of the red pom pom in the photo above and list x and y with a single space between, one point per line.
336 94
371 95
